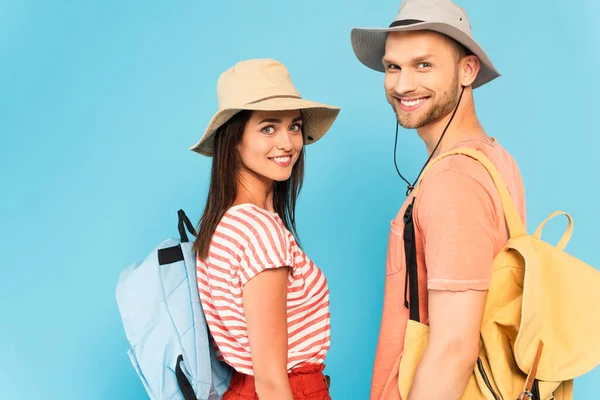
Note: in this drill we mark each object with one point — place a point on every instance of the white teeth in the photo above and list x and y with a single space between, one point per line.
412 103
282 159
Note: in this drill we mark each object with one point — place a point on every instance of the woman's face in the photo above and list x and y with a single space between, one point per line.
271 144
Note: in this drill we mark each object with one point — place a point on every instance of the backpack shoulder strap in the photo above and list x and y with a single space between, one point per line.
515 225
183 224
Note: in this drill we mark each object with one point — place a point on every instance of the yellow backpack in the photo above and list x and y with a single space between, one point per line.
541 325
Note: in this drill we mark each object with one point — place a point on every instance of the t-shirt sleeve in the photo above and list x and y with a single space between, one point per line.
458 221
263 241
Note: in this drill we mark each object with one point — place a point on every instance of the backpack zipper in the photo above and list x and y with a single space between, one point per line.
485 378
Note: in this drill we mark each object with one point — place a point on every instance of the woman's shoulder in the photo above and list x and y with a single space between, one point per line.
259 237
246 222
250 209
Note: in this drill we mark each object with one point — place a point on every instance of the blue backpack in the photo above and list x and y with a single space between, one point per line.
170 346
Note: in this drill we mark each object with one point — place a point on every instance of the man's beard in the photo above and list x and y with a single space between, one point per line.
438 111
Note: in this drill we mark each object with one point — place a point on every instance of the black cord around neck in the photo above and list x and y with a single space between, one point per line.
410 187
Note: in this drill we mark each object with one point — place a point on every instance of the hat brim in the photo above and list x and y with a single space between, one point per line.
369 47
317 119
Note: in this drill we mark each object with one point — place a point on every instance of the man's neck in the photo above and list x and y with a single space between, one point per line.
464 124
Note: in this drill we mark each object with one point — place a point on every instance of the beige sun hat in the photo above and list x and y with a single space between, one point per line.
264 85
442 16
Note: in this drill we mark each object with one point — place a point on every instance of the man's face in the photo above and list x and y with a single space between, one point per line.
421 76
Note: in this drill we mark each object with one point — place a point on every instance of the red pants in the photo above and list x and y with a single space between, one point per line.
307 382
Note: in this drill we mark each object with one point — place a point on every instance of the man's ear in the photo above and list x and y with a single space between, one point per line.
469 68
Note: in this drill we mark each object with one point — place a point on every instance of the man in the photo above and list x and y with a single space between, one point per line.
432 64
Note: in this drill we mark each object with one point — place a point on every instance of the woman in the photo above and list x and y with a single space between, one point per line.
266 303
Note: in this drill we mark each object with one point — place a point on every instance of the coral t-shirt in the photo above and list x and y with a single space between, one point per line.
459 229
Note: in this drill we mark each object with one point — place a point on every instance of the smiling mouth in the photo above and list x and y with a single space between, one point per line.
282 161
411 104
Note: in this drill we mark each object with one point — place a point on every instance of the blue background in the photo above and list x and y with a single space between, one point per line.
99 102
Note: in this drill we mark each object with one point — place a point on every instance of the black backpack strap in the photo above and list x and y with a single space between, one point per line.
174 254
184 220
184 384
412 276
535 391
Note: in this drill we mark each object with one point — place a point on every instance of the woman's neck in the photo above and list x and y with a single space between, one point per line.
255 189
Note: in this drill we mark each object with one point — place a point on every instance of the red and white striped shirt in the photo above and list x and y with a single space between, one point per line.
247 241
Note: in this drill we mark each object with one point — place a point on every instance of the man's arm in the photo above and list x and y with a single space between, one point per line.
458 219
455 322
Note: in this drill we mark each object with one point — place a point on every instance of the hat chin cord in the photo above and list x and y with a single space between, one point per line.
410 187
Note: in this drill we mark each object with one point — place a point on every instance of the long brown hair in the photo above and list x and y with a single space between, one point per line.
224 184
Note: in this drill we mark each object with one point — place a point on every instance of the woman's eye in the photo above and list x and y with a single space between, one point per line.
269 130
296 128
